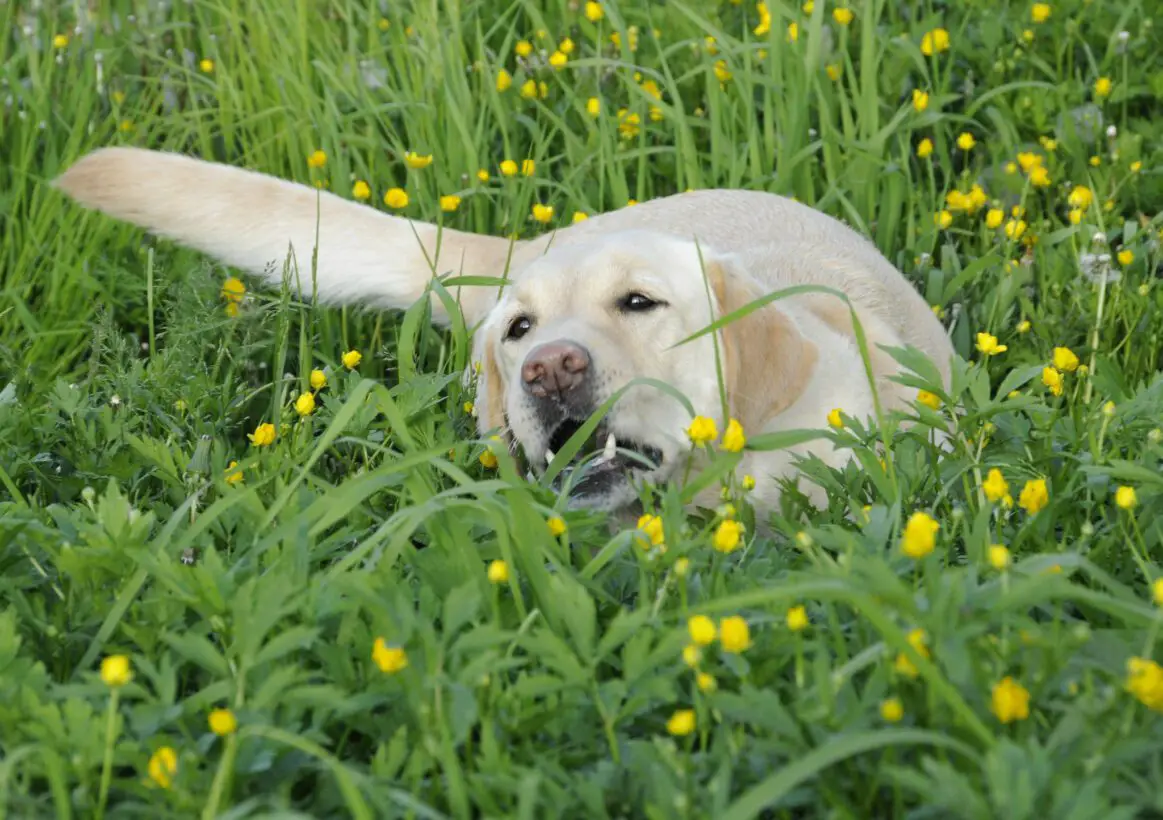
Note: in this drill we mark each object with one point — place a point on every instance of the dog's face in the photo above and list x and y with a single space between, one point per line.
577 325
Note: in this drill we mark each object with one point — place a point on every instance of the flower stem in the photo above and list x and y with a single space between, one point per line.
107 763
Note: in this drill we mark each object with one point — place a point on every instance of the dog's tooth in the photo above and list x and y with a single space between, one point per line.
549 456
611 447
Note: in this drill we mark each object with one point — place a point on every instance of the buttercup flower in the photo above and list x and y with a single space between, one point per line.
924 148
734 635
579 216
987 345
316 159
1034 496
748 482
942 219
317 379
629 124
233 290
702 630
396 198
115 671
722 73
1125 257
593 106
1011 701
593 11
1052 378
842 16
1145 682
995 486
727 536
930 400
733 438
504 81
163 765
706 682
764 25
263 435
965 141
1040 12
60 41
918 640
556 525
702 430
999 556
558 59
691 655
834 418
920 100
994 217
528 167
797 618
1102 87
390 659
305 404
1157 592
523 48
361 190
1126 498
542 213
449 203
351 359
206 65
414 160
498 572
919 536
234 477
1065 360
892 710
681 722
651 525
223 722
934 42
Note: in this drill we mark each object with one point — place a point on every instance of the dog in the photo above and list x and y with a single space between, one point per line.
584 310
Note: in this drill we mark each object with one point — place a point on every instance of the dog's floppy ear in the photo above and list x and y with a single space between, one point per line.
767 360
490 397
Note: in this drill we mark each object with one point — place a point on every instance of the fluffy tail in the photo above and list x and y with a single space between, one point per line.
253 222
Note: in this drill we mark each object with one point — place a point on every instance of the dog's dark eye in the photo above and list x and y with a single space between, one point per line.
637 303
518 328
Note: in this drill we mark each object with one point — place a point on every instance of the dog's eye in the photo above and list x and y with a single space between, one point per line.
637 303
518 328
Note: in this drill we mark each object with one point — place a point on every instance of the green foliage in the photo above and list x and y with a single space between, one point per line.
363 535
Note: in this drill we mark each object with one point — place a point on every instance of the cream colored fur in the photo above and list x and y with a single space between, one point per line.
703 253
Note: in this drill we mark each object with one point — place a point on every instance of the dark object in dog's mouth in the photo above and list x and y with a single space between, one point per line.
602 452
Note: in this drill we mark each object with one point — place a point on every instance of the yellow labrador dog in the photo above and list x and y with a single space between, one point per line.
586 309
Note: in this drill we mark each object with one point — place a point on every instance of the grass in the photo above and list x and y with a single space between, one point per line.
552 685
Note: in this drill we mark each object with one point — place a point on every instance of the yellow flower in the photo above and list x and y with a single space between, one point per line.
706 682
593 106
793 32
629 124
206 66
681 567
523 48
351 359
748 482
504 81
934 42
691 655
1081 197
681 723
222 722
994 217
834 418
651 525
396 198
702 430
987 345
919 536
488 460
733 438
163 765
702 630
797 618
483 175
918 641
233 290
1015 228
579 216
1126 498
316 159
842 16
965 141
1136 166
722 73
233 477
995 486
1064 359
317 379
1040 12
999 556
727 536
1157 591
361 190
593 11
1102 87
115 671
1039 178
1028 161
834 71
508 168
414 160
764 24
924 148
263 435
931 400
942 219
1075 216
390 659
529 90
892 710
528 167
1034 496
1052 378
1145 682
60 41
498 572
305 404
734 635
542 213
449 203
1011 701
920 99
558 60
1126 257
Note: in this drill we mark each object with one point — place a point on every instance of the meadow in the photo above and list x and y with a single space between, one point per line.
257 560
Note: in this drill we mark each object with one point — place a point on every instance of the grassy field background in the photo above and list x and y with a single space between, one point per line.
373 616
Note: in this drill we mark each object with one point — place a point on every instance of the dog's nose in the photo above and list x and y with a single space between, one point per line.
555 368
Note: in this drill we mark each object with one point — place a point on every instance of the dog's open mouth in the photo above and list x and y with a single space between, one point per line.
602 456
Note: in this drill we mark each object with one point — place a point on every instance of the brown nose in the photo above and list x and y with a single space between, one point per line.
555 368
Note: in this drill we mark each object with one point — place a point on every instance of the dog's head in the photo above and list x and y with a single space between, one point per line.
580 322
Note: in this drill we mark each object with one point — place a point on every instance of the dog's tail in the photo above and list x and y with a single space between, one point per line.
254 222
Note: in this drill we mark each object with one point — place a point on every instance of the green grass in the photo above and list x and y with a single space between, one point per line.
126 391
